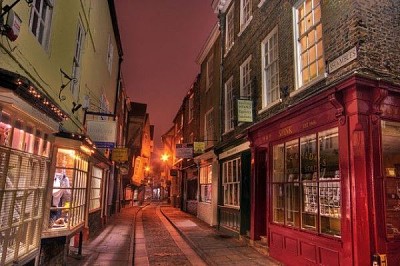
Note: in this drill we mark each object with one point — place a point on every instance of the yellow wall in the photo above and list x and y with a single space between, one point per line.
28 58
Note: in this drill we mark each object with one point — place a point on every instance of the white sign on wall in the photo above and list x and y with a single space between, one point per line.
103 133
342 60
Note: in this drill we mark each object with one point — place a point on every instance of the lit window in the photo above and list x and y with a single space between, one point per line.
230 32
270 66
306 183
229 111
205 183
40 21
95 189
245 78
310 53
68 200
391 173
245 13
231 173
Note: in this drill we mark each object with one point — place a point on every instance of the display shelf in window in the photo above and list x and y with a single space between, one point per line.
68 195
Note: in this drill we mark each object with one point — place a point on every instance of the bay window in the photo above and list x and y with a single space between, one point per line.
306 183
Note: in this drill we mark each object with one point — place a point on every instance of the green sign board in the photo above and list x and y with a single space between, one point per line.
245 110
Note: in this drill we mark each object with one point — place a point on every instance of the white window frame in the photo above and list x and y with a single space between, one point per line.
210 72
209 127
110 54
95 188
270 69
42 11
308 43
229 105
229 29
205 183
245 79
245 14
191 107
76 64
231 177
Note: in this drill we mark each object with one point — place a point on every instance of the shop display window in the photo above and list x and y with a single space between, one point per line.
391 167
306 183
69 190
95 189
23 181
231 171
205 183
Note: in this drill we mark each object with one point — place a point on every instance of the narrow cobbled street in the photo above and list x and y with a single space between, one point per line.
158 243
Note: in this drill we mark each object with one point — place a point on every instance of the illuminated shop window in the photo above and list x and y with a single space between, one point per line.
23 181
306 183
95 189
391 168
231 171
69 190
205 183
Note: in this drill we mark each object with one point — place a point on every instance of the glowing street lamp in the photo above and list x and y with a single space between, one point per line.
164 157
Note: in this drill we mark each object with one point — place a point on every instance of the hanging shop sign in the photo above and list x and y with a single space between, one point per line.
184 150
103 133
245 110
199 147
119 154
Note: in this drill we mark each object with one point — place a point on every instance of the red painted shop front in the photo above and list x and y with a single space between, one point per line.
326 177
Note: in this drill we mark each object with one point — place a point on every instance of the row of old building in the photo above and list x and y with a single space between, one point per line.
294 124
65 127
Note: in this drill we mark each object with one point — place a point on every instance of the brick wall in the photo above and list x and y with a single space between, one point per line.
372 26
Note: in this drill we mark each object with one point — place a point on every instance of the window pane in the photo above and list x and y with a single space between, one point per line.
309 157
292 160
278 163
391 171
309 206
278 203
329 154
292 204
329 197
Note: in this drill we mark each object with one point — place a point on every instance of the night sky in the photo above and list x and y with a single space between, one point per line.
161 40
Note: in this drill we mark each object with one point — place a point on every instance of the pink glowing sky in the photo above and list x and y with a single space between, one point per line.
161 40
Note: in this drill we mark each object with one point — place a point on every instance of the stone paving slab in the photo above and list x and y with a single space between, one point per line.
209 243
113 246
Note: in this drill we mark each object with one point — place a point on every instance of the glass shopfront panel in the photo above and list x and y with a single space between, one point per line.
69 190
391 168
308 197
23 181
95 188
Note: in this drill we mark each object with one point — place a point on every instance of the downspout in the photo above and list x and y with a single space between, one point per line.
221 68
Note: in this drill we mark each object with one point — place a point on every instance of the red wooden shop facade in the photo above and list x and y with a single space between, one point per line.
326 177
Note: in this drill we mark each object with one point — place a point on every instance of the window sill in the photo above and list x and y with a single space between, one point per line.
306 86
243 27
269 106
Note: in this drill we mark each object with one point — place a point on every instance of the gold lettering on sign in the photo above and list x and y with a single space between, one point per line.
285 131
266 137
309 124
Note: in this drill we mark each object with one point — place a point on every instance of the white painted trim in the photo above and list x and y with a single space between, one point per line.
240 148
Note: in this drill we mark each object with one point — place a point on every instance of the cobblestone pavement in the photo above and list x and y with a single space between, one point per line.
212 246
158 243
113 246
